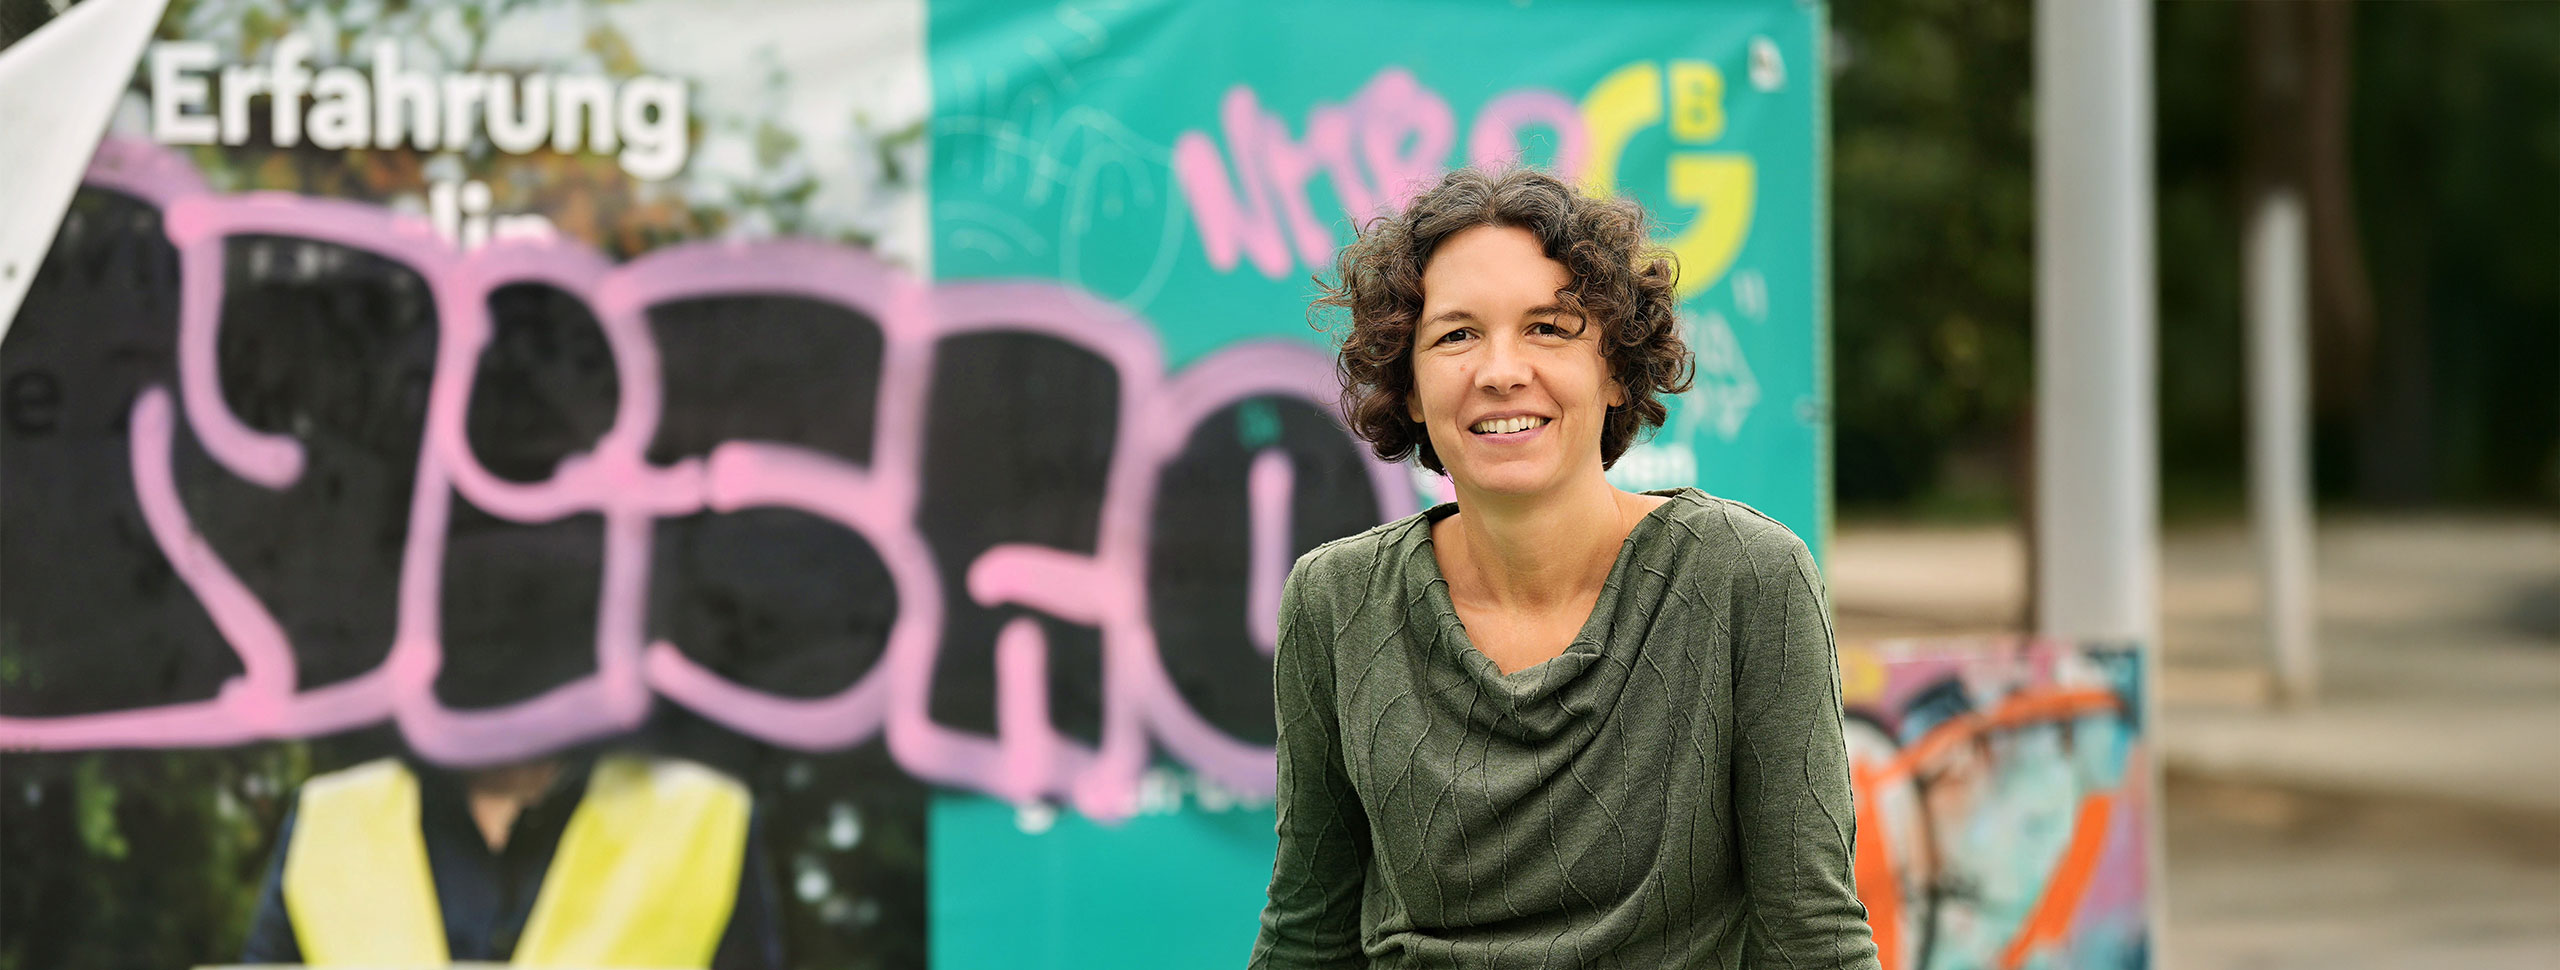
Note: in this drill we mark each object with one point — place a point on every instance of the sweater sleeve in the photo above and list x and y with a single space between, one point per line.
1792 804
1312 918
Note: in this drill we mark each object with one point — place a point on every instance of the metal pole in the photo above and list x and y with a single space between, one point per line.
2279 437
2097 451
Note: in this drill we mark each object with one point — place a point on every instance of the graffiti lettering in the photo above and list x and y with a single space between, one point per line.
1376 153
784 485
1721 186
1381 149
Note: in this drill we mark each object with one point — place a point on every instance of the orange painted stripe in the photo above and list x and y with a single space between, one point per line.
1877 886
2051 920
2030 707
2033 706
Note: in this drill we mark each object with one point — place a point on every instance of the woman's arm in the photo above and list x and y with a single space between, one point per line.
1791 772
1313 916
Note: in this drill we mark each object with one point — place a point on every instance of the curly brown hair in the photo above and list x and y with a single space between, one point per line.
1621 282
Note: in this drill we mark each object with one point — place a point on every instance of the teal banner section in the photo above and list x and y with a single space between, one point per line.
1194 165
1197 163
1178 885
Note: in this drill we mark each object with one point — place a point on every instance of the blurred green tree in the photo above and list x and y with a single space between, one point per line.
1933 224
136 858
2425 138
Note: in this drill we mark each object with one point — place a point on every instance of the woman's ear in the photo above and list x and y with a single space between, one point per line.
1617 394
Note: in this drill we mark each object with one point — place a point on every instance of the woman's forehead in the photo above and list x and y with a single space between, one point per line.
1491 269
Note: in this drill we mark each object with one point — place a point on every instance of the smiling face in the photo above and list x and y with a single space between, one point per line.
1511 389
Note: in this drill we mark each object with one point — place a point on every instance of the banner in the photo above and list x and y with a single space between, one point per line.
908 409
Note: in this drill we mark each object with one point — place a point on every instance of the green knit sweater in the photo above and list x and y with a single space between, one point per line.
1671 791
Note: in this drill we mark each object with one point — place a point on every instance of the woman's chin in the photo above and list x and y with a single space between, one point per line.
1510 482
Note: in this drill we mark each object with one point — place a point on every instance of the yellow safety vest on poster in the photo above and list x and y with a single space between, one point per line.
645 876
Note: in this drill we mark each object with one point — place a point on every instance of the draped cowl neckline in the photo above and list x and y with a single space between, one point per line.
1539 702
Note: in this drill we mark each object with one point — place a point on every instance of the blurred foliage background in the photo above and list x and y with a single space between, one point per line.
1933 272
136 859
2438 385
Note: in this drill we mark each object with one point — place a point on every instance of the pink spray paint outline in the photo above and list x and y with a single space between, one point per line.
1028 759
1258 210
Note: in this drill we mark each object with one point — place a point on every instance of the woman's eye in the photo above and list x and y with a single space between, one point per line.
1546 328
1453 336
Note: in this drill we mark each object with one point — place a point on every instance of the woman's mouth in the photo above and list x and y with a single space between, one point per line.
1507 426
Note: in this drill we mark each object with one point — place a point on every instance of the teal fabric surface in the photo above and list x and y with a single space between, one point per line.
1670 791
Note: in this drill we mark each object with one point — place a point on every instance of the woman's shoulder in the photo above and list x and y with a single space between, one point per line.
1337 583
1358 558
1724 531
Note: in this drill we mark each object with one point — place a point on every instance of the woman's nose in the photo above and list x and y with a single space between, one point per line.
1504 368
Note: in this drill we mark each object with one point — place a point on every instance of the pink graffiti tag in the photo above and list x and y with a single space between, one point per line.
616 482
1376 153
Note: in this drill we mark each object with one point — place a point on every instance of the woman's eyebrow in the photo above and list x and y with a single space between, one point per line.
1547 309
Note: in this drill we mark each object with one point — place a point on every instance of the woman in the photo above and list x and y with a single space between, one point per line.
1553 724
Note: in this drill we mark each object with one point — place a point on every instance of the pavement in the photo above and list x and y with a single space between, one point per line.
2408 816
